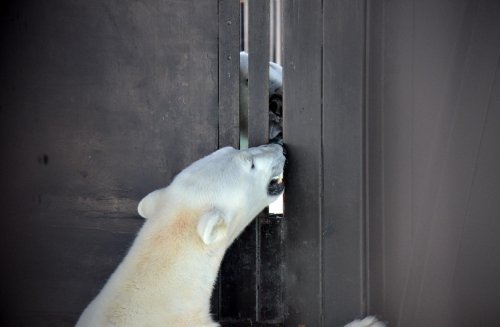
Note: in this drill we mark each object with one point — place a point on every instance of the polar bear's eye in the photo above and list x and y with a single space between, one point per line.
253 165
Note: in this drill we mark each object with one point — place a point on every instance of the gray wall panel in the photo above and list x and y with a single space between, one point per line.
433 98
343 161
302 135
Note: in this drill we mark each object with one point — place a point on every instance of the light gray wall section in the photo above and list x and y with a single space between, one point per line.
435 162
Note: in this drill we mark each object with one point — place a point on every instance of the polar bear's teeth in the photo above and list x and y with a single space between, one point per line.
276 185
278 179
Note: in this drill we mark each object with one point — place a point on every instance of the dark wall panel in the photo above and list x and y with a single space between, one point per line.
100 103
324 130
343 161
258 72
229 73
433 100
302 134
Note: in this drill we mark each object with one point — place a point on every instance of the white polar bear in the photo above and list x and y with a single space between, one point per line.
167 277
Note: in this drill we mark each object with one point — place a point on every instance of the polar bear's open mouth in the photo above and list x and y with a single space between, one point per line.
276 186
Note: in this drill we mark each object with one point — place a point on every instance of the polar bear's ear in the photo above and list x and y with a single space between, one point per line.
212 226
148 205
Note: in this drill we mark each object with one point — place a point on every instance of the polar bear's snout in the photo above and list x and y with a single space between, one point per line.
268 160
276 186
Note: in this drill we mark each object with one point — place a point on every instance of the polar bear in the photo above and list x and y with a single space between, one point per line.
167 277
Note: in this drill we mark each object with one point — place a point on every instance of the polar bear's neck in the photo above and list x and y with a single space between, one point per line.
168 270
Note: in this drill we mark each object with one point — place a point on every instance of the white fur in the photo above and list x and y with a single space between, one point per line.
166 279
366 322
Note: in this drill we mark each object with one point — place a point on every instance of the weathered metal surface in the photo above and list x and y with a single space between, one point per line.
242 298
228 88
229 63
101 102
434 99
302 89
271 277
258 73
343 173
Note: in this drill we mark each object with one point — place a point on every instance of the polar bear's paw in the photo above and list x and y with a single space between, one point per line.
369 321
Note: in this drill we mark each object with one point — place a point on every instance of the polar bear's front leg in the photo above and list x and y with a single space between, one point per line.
366 322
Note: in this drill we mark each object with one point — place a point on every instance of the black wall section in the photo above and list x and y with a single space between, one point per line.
101 102
344 150
324 63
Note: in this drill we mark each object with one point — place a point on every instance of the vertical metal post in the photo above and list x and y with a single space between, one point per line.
229 63
229 132
258 72
258 104
303 35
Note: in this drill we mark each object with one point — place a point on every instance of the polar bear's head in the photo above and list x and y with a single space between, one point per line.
228 188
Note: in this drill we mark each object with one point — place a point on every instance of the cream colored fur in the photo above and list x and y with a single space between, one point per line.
166 279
